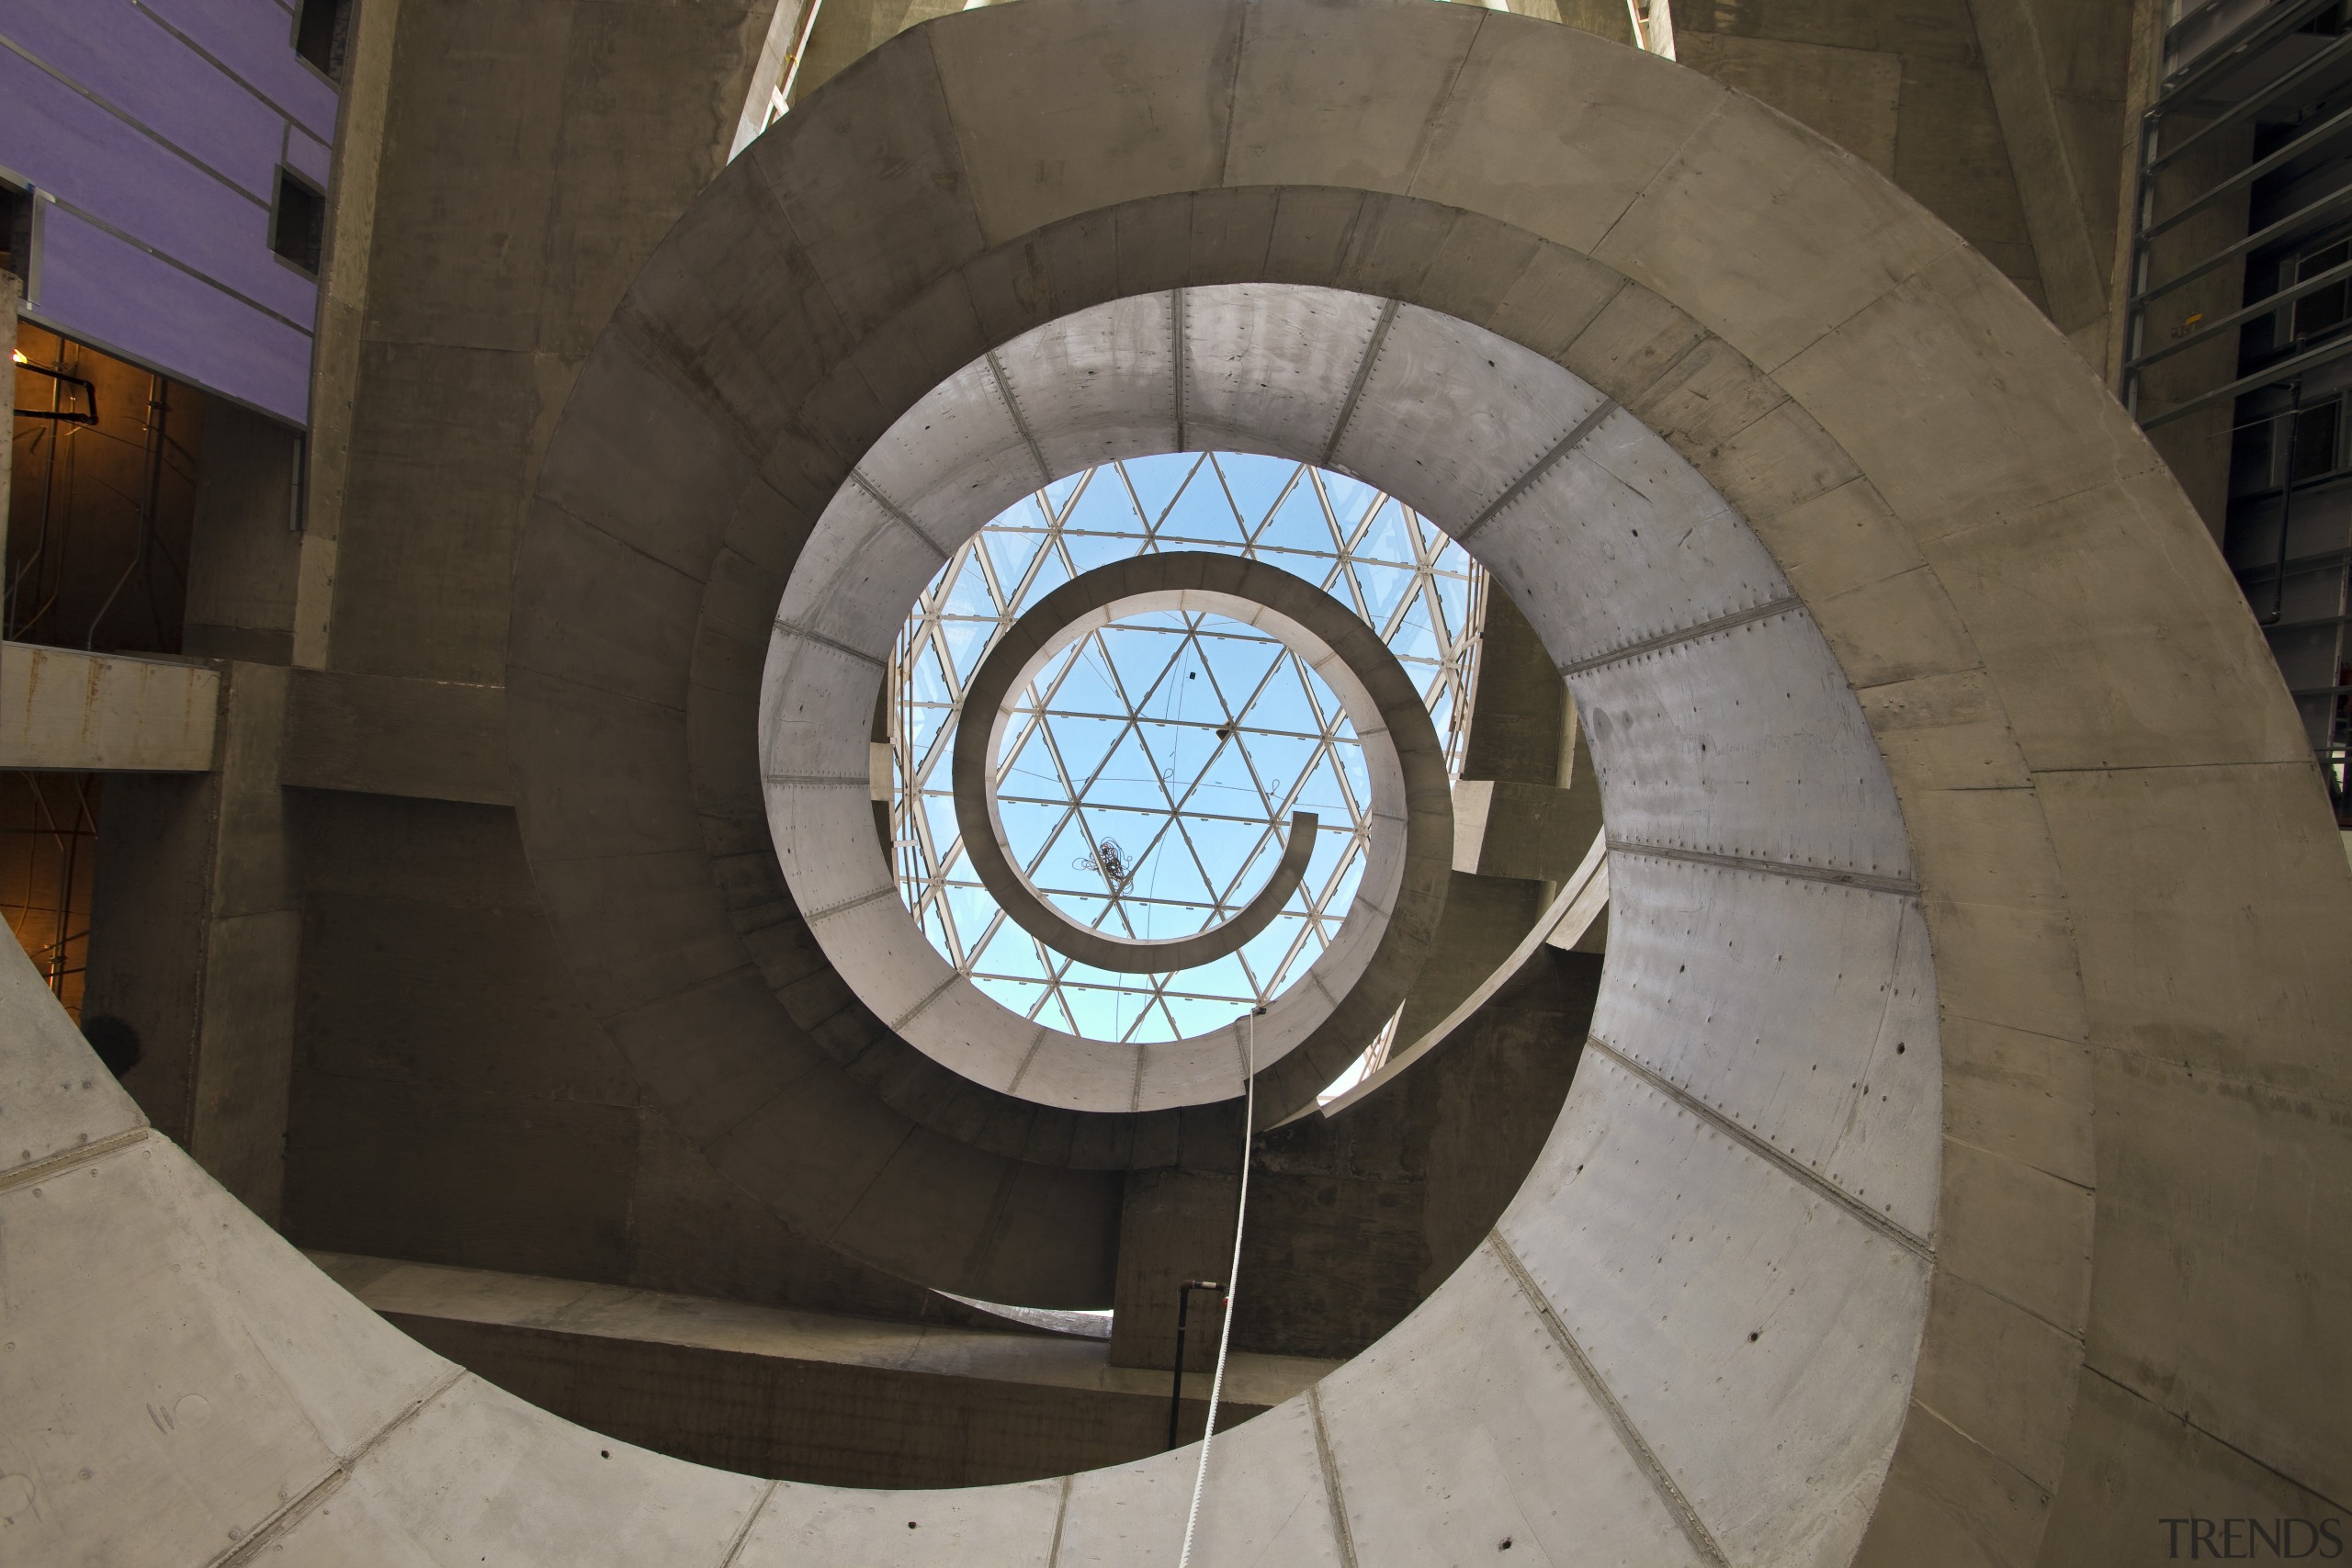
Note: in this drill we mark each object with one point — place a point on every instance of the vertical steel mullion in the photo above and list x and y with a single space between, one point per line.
2143 253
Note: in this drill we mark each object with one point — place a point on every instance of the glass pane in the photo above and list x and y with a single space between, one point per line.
2315 433
1149 770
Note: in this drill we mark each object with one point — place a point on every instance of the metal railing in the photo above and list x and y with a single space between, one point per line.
2244 190
2182 120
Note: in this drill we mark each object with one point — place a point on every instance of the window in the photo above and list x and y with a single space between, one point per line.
2325 309
2313 451
321 30
298 225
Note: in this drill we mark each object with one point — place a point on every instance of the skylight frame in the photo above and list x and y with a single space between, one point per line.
1056 534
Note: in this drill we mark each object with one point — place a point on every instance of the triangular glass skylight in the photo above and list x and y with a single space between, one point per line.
1148 776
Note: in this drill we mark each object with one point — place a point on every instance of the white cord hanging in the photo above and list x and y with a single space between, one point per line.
1232 1277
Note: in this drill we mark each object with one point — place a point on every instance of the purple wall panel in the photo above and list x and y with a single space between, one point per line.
140 68
96 286
255 39
65 143
168 128
306 155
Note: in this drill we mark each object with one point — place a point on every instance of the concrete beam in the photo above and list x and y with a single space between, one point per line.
1530 832
388 735
1568 924
1583 923
803 1396
63 709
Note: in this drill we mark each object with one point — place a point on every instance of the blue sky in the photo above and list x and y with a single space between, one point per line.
1119 741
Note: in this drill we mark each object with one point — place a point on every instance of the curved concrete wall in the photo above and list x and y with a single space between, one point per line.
1769 1104
2137 911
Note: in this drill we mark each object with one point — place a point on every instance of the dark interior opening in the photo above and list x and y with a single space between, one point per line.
298 227
102 499
15 230
2315 440
321 31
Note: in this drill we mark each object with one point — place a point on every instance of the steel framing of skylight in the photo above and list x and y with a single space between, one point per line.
1187 740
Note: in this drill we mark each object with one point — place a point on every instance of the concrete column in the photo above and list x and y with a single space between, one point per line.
1518 716
1356 1217
195 936
2019 66
343 303
1175 1225
1521 737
